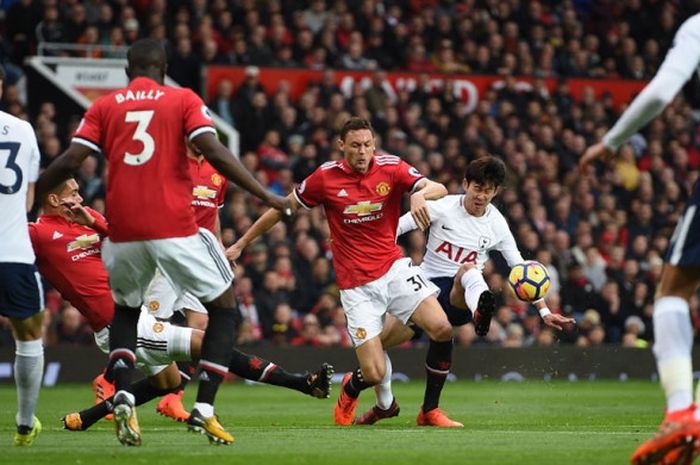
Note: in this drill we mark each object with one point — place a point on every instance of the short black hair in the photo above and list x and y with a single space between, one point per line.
355 124
486 170
146 53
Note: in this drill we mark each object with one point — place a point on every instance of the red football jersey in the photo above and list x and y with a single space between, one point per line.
68 256
363 211
141 130
208 192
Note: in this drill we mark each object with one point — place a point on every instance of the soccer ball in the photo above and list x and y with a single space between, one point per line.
529 280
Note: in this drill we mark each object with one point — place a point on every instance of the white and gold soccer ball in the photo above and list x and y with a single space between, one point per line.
529 280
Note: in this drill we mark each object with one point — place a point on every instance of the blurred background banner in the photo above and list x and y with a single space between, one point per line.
467 88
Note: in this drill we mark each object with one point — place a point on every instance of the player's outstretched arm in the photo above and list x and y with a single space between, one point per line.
260 227
553 320
427 190
62 168
228 165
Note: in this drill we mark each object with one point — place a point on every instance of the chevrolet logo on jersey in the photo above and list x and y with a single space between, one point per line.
83 242
363 208
203 192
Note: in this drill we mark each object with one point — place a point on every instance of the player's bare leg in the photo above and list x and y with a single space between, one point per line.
372 368
681 425
393 334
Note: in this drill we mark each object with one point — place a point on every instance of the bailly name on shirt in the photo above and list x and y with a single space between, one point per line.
130 96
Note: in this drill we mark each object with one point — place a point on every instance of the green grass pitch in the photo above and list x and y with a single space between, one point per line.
532 422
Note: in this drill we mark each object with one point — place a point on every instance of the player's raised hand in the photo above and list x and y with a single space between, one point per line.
557 321
280 203
76 213
419 211
595 152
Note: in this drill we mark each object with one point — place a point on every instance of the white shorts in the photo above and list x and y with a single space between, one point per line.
158 344
398 292
162 301
195 264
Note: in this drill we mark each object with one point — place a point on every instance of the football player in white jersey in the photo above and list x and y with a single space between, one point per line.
680 430
21 292
464 228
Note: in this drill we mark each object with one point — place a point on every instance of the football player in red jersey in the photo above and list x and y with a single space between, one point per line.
362 198
67 242
140 129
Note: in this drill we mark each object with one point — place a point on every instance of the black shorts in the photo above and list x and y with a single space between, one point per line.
456 316
21 292
684 249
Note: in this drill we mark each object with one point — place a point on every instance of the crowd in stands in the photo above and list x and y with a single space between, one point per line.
602 234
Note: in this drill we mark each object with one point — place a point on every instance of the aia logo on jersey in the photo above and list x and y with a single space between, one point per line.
86 241
203 192
363 208
382 188
456 254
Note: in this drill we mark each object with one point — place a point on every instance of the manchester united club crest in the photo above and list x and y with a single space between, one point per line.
216 179
382 188
153 305
158 327
361 333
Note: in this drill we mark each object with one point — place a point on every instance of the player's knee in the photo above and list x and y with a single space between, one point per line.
441 332
373 375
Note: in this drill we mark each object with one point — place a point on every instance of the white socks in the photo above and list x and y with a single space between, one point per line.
29 373
207 410
383 390
474 285
674 341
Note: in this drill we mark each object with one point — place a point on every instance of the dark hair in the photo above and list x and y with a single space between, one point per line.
57 189
355 124
146 53
486 170
2 73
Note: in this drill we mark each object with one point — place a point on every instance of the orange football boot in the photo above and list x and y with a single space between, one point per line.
171 406
103 390
436 417
344 411
678 430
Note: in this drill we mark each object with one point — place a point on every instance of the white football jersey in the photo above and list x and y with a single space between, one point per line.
456 237
19 166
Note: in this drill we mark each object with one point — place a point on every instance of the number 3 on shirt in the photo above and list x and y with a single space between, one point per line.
13 149
143 119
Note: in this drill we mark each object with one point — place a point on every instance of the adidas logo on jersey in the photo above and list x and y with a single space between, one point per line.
56 235
342 193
